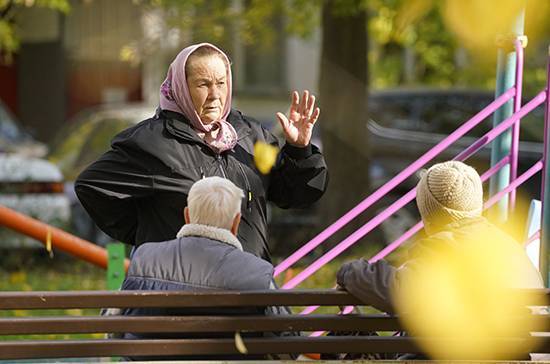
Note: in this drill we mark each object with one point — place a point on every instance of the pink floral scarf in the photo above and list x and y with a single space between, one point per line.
219 135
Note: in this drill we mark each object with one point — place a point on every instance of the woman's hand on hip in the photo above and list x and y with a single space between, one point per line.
302 115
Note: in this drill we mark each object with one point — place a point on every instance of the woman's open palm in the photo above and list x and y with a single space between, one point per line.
302 115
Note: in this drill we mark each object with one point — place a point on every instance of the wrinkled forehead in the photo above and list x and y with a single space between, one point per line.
211 61
207 66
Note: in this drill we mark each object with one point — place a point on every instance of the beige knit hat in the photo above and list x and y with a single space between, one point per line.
448 192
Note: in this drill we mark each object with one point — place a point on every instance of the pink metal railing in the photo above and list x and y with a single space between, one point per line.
514 148
374 222
494 199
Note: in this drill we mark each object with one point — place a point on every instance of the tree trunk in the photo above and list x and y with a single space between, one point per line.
343 94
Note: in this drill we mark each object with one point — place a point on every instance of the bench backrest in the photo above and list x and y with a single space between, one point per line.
205 325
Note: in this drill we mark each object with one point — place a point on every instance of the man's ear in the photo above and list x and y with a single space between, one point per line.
186 215
235 225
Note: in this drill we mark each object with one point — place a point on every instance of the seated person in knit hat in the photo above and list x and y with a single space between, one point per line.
449 197
206 253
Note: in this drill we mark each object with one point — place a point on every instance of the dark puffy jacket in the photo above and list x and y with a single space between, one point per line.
136 191
376 283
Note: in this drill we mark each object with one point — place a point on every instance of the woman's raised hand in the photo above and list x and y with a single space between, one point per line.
302 115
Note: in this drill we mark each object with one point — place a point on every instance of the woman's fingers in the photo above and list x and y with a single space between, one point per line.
315 116
283 121
310 106
304 107
303 102
295 103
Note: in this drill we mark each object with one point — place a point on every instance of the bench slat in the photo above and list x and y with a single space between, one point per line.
97 348
169 324
174 324
293 345
141 299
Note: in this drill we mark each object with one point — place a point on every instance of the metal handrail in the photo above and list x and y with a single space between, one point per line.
395 181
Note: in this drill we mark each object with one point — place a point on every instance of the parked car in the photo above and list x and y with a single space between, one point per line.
29 183
404 124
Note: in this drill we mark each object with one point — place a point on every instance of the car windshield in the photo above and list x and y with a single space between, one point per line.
10 132
84 142
442 113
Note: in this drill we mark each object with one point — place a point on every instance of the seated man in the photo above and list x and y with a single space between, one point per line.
449 197
205 254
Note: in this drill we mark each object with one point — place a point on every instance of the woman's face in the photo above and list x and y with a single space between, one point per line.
207 82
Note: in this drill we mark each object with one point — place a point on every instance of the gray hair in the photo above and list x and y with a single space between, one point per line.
214 201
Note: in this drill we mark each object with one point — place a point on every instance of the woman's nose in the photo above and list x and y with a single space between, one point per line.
215 92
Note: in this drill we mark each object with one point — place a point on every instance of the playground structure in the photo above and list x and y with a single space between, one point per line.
111 258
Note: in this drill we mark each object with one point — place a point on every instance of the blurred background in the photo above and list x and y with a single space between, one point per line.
393 77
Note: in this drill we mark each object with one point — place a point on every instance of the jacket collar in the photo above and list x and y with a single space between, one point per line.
177 125
457 224
210 232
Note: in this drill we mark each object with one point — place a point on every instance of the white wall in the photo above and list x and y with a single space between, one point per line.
302 62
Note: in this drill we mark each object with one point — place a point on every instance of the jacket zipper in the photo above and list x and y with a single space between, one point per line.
248 189
219 159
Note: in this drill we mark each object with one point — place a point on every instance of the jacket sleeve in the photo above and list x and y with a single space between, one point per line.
299 178
371 283
108 189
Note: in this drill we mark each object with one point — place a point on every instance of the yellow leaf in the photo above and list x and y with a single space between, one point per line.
477 24
18 277
239 344
20 313
265 156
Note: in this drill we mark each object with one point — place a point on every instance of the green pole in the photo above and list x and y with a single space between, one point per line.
506 74
115 266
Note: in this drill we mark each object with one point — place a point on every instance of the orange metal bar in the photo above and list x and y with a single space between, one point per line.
62 240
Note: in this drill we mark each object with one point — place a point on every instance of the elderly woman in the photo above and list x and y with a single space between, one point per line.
137 190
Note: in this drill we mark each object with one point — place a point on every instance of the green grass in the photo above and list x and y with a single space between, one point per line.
41 273
34 271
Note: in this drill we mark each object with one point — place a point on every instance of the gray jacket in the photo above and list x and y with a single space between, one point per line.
201 258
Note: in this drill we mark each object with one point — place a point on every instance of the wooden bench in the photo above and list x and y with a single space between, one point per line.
33 348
